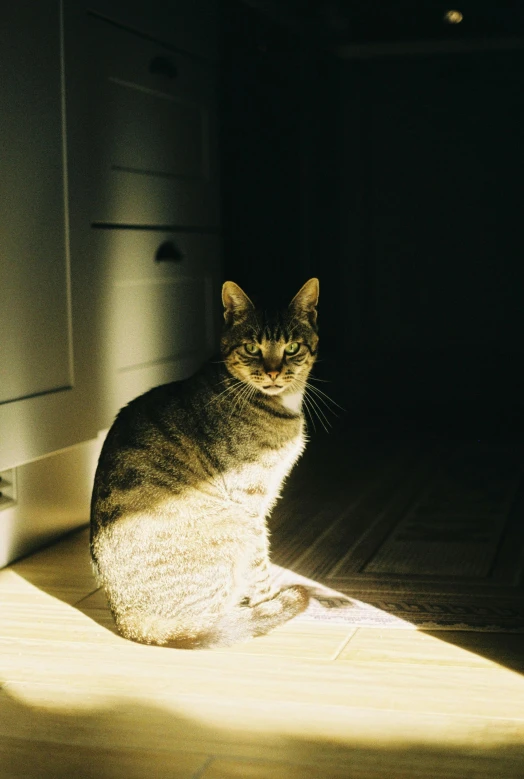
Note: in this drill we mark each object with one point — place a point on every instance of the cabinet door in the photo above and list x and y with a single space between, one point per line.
35 347
40 405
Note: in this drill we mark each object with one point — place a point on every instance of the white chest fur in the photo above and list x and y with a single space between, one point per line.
256 485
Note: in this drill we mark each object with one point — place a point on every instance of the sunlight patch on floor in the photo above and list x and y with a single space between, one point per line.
308 692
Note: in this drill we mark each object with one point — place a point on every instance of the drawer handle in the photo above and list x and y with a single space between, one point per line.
164 66
168 252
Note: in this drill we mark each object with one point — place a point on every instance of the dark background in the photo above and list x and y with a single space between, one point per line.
380 148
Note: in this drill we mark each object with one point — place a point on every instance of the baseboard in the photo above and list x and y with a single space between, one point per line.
52 498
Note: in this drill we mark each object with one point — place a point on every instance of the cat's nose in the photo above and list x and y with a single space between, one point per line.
273 375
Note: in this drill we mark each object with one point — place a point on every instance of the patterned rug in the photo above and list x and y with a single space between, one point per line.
425 533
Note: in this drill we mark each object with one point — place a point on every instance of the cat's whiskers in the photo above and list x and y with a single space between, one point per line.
243 395
227 390
324 398
237 390
322 418
314 378
309 412
249 396
225 381
312 404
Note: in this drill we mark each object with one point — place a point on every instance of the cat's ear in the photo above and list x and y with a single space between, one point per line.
236 302
304 304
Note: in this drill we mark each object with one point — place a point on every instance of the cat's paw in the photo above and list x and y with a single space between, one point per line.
295 597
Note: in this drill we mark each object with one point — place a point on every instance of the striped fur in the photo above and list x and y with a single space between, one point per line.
187 476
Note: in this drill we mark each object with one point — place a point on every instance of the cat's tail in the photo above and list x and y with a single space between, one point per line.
233 626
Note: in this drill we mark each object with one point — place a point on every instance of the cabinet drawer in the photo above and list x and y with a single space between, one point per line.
160 315
154 121
132 255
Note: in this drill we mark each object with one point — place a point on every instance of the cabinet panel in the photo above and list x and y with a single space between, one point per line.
161 315
129 199
34 293
155 135
154 132
159 320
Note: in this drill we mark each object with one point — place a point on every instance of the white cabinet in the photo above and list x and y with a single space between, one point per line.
110 269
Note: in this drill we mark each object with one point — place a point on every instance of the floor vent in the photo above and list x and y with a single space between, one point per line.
7 488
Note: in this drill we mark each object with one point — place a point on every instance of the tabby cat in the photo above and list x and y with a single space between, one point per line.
187 476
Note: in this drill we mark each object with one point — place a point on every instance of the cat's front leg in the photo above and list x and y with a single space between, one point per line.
259 577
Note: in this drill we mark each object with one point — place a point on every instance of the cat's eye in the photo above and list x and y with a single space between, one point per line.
252 348
292 348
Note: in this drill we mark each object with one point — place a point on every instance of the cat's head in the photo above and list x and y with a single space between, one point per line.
270 350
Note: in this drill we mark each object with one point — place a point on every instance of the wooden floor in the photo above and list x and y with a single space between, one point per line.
76 700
